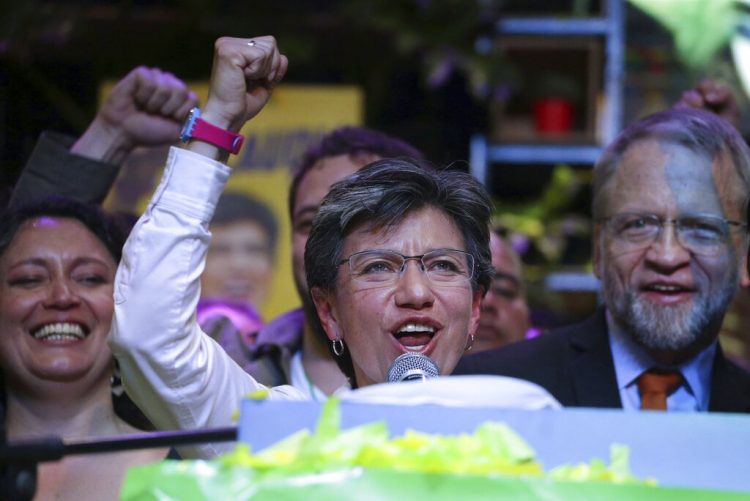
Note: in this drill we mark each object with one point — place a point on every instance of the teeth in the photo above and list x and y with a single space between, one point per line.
416 328
415 348
60 331
61 337
666 288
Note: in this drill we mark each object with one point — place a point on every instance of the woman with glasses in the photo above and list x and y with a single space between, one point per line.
397 262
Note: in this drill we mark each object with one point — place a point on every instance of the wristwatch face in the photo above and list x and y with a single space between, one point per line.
187 129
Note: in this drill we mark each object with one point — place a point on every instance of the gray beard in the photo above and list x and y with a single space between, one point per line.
668 328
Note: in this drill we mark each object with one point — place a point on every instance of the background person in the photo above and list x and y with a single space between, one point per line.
57 268
238 273
239 264
505 313
145 108
233 325
713 96
670 243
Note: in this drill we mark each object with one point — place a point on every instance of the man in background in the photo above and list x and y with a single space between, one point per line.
505 313
145 108
670 242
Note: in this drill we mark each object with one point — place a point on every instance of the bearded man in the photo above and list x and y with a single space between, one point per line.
670 240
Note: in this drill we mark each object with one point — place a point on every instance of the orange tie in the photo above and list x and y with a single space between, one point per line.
655 385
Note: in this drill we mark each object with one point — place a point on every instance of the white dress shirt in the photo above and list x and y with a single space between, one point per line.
631 360
178 376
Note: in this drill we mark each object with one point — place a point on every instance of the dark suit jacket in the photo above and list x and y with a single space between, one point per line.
53 170
575 365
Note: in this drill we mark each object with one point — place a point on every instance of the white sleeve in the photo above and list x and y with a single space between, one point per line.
179 377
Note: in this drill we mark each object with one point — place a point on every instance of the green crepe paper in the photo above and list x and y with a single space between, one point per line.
618 471
364 463
201 480
700 28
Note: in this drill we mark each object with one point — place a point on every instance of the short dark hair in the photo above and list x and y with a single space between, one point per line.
235 207
382 194
353 141
111 230
703 132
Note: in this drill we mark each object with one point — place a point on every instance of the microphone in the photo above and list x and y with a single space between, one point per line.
412 367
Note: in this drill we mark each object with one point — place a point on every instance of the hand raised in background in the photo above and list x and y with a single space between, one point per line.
145 108
712 96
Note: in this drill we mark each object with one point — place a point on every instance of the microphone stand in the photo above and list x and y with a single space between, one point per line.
19 459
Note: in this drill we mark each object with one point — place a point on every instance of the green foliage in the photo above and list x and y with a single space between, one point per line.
546 221
441 34
701 28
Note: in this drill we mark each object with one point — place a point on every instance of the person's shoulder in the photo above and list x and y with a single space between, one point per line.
739 373
499 360
285 329
730 386
543 352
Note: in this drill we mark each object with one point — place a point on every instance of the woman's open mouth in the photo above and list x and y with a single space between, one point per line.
414 337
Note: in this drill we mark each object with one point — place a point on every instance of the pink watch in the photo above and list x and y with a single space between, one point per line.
197 128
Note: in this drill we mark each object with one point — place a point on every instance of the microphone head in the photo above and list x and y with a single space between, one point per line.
412 367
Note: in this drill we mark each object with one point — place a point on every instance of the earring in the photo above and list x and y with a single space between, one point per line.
115 382
338 346
471 342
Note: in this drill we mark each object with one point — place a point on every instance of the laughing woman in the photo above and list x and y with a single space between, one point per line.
57 267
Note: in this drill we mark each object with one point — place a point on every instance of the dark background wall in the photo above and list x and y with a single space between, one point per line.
53 55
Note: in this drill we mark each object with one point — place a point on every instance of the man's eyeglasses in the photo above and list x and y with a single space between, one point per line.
384 266
701 234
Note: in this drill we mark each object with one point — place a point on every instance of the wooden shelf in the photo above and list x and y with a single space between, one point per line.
595 45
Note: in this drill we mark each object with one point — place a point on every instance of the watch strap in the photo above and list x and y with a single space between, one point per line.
197 128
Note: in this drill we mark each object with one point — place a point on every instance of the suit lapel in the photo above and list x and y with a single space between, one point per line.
592 370
730 387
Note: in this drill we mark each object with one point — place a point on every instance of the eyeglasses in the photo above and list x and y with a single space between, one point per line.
383 266
701 234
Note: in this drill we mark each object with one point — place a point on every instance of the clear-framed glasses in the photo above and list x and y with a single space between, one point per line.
383 266
701 234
